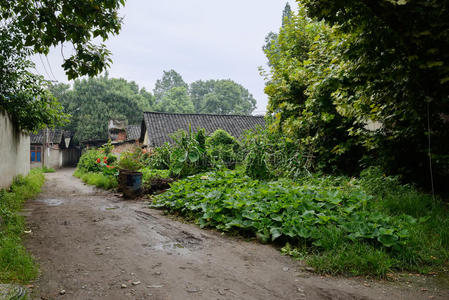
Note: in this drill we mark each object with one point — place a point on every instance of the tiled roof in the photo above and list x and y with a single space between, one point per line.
54 136
161 125
132 132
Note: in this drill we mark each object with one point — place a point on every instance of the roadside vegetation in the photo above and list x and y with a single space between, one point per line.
369 225
260 187
48 170
340 225
98 167
16 264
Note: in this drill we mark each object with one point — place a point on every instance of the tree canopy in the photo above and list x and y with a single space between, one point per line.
46 24
24 95
173 94
94 101
175 100
221 97
170 79
33 27
366 61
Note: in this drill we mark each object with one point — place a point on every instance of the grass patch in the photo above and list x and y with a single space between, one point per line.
48 170
16 265
149 174
339 225
97 179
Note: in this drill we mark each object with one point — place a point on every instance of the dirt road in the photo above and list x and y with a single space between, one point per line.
92 244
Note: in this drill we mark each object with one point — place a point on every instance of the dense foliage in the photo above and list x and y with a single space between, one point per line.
261 153
397 67
46 24
365 62
33 27
172 94
320 216
222 149
16 265
23 94
300 89
93 102
193 152
98 167
221 97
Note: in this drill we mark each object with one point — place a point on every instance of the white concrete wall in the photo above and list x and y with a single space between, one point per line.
14 151
52 158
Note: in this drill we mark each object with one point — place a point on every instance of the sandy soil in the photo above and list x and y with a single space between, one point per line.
92 244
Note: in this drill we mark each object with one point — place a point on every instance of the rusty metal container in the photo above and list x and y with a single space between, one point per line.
130 183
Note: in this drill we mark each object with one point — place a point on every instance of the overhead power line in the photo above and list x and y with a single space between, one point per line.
51 71
45 69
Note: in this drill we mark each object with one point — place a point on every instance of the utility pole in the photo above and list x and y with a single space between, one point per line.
47 149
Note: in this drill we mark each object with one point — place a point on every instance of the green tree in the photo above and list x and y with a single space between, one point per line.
46 24
303 78
176 100
34 26
221 97
286 14
23 94
396 71
271 38
170 79
93 102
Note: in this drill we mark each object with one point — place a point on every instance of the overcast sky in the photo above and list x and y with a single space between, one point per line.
200 39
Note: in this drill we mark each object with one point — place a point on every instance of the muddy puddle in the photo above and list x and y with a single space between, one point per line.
172 247
51 202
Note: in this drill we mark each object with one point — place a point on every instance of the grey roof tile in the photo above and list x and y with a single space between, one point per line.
133 132
55 136
161 125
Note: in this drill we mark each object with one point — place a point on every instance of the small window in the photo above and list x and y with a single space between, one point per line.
35 153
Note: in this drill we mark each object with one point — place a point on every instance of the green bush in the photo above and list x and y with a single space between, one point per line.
88 161
16 265
159 158
222 149
148 174
274 154
99 180
94 161
130 161
330 218
221 137
188 155
255 163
